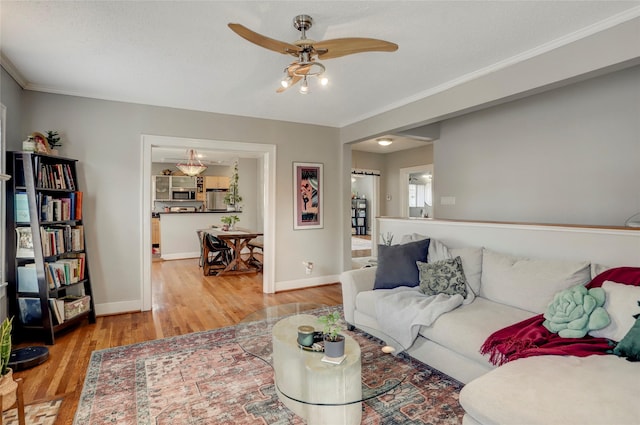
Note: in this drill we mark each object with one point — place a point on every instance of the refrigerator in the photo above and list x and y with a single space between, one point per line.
215 199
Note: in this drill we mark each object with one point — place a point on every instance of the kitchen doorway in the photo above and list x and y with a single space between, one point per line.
266 151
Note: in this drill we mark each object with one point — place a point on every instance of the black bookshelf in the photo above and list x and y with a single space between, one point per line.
44 212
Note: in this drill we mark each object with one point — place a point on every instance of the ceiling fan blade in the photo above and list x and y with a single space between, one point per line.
263 41
339 47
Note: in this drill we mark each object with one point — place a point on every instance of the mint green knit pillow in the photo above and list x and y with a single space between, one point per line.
576 311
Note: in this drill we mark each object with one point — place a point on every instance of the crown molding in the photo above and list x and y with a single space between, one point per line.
13 71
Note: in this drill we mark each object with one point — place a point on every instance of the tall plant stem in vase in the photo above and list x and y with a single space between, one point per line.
233 198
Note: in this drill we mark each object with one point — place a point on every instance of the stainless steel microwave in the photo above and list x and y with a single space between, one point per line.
183 194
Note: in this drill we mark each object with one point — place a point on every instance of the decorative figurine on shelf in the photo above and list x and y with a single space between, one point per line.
53 139
233 198
41 144
229 221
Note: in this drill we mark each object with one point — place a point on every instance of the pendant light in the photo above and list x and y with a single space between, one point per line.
193 166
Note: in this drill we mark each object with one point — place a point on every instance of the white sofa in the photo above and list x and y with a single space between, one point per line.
536 390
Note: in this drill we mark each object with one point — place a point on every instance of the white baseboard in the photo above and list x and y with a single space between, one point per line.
306 283
118 307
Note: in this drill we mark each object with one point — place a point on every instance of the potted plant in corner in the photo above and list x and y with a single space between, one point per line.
333 340
233 198
7 385
229 221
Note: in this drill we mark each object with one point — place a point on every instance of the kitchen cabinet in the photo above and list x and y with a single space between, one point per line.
216 182
161 185
183 182
155 231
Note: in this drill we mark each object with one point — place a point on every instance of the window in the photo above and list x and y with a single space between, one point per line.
420 195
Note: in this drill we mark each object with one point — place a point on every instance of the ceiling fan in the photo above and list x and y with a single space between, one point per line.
308 51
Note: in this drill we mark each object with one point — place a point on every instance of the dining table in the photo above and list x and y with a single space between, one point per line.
237 240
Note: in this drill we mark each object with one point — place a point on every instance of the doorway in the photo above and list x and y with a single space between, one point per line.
415 190
267 151
365 187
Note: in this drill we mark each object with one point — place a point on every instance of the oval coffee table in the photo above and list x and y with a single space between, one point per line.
319 392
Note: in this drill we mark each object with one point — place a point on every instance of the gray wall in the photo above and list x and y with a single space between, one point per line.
571 156
105 137
11 98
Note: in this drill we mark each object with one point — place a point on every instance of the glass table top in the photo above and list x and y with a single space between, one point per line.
384 365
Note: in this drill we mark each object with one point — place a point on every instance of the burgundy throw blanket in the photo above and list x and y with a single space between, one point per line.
529 338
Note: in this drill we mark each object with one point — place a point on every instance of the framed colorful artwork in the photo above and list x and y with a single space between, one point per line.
307 195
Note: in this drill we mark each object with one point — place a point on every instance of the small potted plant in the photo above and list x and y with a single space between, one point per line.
229 221
333 340
7 385
53 139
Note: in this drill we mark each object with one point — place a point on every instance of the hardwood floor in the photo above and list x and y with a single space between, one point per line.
184 301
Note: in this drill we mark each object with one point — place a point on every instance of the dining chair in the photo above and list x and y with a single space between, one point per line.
215 255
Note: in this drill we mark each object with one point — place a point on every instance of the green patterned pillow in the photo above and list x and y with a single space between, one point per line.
442 277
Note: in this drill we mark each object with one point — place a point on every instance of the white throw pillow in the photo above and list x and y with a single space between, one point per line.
596 269
621 302
529 284
412 237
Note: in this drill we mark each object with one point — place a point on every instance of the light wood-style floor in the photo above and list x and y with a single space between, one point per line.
184 301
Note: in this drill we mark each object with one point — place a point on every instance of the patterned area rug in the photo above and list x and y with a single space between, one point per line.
35 414
207 378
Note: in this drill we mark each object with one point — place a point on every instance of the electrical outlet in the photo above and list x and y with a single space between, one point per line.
308 266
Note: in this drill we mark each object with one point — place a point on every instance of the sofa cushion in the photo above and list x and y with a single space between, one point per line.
593 390
465 329
442 277
529 284
397 264
621 302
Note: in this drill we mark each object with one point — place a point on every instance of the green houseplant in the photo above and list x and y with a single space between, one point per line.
233 198
229 221
53 138
7 385
333 340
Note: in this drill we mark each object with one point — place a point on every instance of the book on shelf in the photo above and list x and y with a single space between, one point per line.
28 278
61 208
30 311
24 242
57 310
22 207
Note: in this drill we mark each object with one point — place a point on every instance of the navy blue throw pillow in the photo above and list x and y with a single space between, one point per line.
397 264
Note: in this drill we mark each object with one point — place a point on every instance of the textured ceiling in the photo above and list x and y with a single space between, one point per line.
182 54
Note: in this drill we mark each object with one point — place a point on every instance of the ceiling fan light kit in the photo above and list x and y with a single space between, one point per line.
307 51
